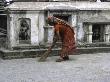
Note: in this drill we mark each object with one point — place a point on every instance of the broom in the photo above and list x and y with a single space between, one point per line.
46 54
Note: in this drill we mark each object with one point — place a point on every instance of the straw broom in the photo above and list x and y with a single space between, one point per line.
46 54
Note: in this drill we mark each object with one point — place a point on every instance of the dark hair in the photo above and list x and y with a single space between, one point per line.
51 20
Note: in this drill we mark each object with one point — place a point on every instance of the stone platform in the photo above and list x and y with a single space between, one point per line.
23 51
31 53
80 68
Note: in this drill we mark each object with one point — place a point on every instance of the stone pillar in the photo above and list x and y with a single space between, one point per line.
41 23
107 33
89 34
8 42
73 21
48 34
13 30
98 1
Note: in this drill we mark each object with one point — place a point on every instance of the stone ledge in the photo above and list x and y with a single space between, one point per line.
97 44
32 53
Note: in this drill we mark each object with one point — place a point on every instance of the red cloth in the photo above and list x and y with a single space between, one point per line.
67 37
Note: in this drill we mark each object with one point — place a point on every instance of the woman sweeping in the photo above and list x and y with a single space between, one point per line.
65 33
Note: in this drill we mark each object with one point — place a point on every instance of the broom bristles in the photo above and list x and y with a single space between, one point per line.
44 56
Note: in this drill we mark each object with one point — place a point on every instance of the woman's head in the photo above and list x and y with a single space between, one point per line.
51 20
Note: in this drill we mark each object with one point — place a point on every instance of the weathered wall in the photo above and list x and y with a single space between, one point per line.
106 13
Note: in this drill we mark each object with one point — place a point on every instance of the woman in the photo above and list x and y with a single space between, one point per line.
65 33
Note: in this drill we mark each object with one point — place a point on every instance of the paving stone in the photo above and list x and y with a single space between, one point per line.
80 68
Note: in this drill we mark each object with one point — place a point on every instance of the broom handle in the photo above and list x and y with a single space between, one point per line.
46 54
53 44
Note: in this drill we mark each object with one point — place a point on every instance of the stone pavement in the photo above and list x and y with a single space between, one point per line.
80 68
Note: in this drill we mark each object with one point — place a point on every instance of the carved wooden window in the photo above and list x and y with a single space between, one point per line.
24 30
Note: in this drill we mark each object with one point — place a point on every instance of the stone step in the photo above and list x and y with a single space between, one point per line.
32 53
29 53
97 44
82 45
25 46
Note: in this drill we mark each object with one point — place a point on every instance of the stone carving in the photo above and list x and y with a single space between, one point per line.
24 30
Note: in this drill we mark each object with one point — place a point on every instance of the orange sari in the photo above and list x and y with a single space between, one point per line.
66 34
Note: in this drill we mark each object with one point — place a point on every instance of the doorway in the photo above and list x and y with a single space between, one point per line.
63 17
3 30
98 33
3 25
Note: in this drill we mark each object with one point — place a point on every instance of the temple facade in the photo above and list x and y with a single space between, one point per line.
26 22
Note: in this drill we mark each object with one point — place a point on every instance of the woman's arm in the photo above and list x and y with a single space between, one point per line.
57 31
